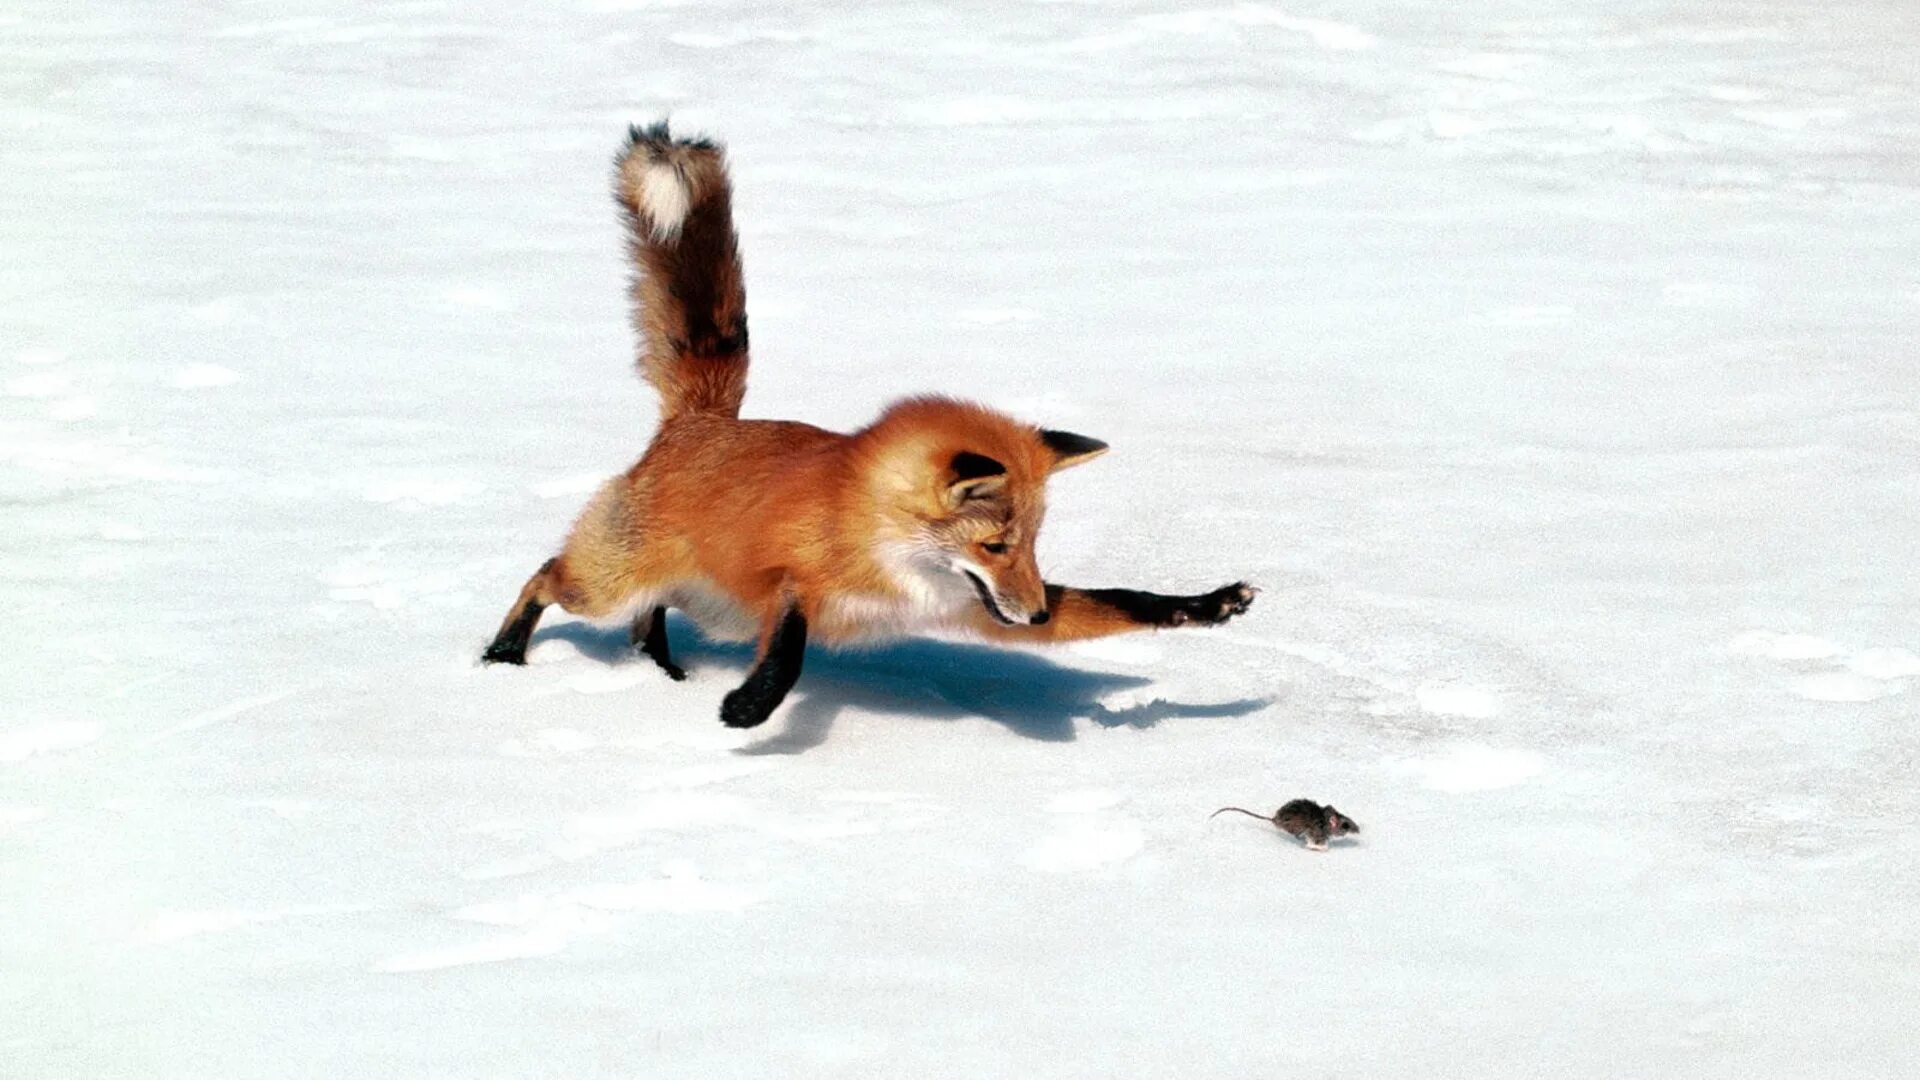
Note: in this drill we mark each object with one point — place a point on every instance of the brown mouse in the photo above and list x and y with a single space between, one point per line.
1306 820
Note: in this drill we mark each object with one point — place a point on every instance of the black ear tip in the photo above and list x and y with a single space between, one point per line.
968 465
1068 445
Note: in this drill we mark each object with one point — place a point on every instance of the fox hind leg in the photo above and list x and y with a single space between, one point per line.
649 635
510 644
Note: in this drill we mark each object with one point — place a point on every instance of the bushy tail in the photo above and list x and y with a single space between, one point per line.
689 299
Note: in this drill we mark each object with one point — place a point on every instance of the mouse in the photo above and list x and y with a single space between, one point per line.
1306 820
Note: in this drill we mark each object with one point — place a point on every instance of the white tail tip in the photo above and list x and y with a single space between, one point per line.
665 199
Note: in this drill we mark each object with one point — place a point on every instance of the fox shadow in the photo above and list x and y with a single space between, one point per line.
925 677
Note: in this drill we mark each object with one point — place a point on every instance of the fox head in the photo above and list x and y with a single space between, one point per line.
976 487
993 519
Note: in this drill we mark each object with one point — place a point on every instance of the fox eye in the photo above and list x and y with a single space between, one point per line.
994 548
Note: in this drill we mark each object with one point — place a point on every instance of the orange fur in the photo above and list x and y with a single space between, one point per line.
768 512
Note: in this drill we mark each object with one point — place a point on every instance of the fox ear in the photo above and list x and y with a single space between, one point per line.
1070 449
975 476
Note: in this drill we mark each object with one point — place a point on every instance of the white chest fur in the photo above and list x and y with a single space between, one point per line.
925 594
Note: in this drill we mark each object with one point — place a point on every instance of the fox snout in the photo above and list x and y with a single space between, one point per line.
1006 609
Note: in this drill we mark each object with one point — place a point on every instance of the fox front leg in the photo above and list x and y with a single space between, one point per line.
750 703
1143 609
1078 614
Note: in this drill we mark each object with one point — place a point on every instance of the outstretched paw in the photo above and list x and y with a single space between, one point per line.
674 671
1211 609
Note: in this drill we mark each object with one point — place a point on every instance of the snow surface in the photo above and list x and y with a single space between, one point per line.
1550 363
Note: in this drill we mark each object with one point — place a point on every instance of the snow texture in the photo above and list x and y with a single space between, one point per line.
1549 363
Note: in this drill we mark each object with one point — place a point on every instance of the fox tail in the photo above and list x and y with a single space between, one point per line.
689 296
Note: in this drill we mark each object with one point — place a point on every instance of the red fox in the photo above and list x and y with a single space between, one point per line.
777 531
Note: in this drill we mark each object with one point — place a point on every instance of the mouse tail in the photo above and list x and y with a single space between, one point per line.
1236 809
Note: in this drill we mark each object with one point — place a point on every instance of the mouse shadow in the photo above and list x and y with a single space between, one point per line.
922 677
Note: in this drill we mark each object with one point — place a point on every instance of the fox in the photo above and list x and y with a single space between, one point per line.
783 533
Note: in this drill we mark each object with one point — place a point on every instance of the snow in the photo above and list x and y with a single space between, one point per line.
1549 364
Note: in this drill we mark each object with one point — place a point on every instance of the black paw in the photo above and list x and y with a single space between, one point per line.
504 654
674 672
743 710
1211 609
